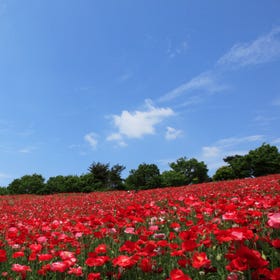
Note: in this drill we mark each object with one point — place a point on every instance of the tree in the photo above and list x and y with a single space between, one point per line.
146 176
27 184
100 172
115 180
240 166
224 173
264 160
172 178
259 162
105 177
55 184
193 170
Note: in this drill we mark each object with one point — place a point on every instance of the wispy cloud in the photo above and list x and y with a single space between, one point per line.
118 138
203 82
213 155
177 50
136 124
172 133
124 77
27 150
264 49
91 139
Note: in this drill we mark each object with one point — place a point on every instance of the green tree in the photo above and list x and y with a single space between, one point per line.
264 160
100 173
146 176
27 184
224 173
240 166
193 170
105 177
87 183
172 178
115 180
3 191
55 184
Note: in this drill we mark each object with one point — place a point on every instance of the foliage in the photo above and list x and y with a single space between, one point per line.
106 178
259 162
264 160
3 191
146 176
27 184
224 173
193 170
172 178
222 230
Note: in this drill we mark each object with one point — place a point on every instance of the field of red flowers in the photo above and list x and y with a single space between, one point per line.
225 230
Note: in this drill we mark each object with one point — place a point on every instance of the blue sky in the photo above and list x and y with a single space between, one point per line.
135 81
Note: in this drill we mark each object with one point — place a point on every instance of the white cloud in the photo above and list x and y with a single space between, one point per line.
232 141
210 152
118 138
172 133
203 82
124 77
27 150
213 155
175 51
91 139
139 123
264 49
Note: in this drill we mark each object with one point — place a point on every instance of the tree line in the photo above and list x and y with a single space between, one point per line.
259 162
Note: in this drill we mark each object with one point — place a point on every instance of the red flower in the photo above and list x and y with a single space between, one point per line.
94 276
189 245
124 261
20 268
200 260
76 271
178 274
274 220
97 261
101 249
237 264
253 257
18 254
58 266
3 255
146 265
276 243
44 257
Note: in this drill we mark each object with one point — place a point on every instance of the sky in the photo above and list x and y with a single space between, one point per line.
131 82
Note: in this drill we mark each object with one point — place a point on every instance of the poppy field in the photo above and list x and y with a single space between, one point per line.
224 230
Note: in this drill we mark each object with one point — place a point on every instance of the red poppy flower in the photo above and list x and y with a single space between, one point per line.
237 264
178 274
58 266
3 255
189 245
18 254
20 268
124 261
94 276
97 261
200 260
76 271
45 257
274 220
101 249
